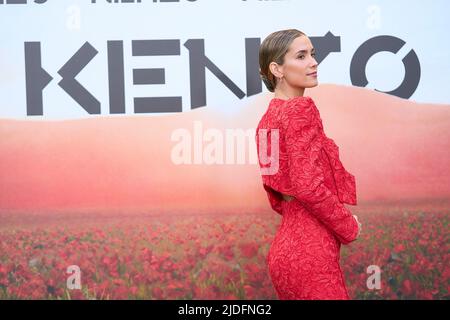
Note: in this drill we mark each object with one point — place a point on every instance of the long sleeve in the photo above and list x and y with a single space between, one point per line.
303 138
274 199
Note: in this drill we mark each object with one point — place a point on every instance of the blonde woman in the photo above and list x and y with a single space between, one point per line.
310 185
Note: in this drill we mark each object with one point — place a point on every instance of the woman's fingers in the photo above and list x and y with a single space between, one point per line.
359 224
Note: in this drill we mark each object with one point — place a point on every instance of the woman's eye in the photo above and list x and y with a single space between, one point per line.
302 56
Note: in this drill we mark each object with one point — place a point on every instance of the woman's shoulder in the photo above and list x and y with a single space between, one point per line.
300 109
300 104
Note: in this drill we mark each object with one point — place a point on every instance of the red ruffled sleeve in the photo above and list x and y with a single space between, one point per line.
271 168
304 139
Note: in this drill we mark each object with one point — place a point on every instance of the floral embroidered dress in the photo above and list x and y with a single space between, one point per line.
303 259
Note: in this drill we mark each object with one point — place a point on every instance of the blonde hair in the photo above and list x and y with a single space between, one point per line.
274 48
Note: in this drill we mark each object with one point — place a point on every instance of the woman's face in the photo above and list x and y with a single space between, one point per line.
299 63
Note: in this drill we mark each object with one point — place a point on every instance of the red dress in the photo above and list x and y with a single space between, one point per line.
303 259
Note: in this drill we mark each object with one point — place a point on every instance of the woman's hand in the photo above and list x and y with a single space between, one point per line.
359 226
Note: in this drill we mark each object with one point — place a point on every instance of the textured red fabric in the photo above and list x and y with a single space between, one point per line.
303 259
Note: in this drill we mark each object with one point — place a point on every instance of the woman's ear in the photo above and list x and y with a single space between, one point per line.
275 69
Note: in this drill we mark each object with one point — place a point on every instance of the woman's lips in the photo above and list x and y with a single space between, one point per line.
314 74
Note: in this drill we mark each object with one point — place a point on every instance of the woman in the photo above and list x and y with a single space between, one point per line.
305 180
